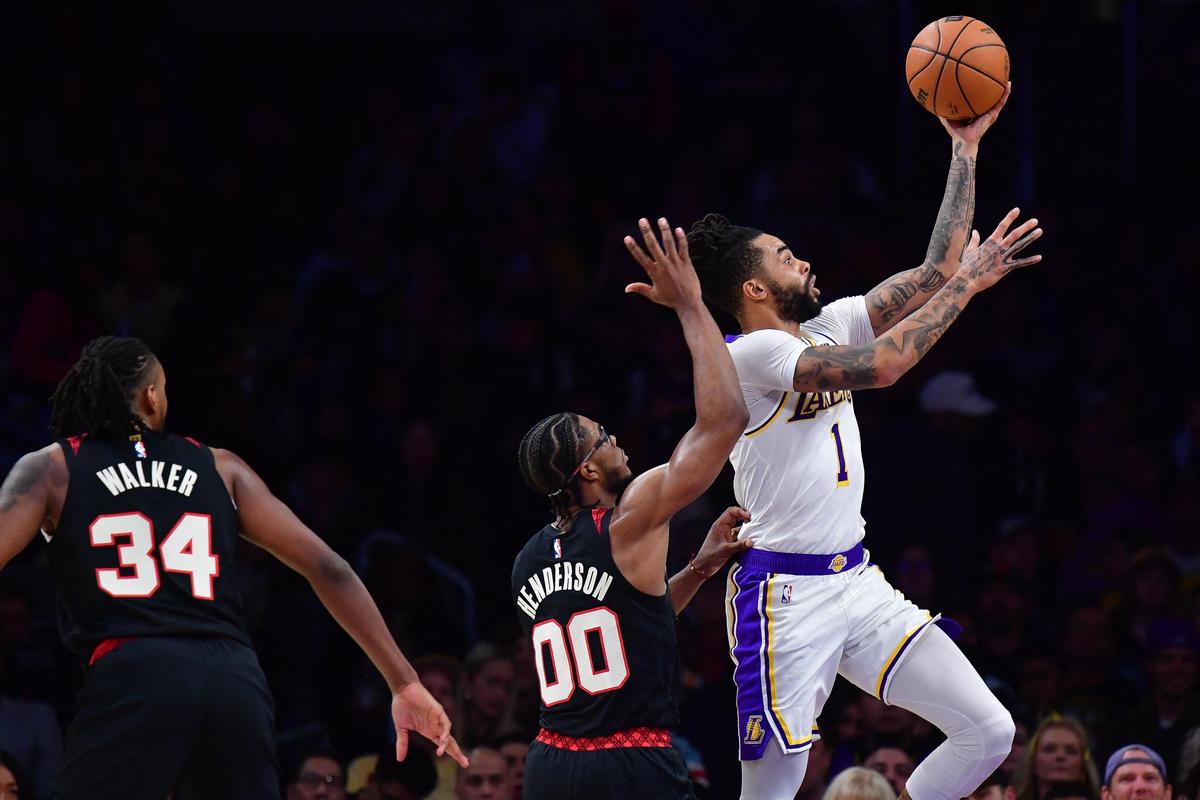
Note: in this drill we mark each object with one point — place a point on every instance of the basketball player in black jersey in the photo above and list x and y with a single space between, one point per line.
591 588
142 528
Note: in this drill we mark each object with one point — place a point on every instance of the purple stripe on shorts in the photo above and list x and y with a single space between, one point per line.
754 731
896 659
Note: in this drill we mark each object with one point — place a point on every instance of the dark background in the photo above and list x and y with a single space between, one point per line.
373 245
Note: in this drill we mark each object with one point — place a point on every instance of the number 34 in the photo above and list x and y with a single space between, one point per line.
187 549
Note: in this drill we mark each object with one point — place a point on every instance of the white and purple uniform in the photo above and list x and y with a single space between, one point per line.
804 605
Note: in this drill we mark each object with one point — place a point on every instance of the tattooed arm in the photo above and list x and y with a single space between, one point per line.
882 362
905 292
30 498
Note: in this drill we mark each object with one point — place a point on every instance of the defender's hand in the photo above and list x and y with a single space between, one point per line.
972 131
414 709
722 543
984 264
673 278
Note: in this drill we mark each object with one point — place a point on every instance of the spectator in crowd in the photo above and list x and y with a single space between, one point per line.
1058 753
1152 594
488 676
994 787
414 778
858 783
13 785
893 763
485 779
30 733
1075 790
1172 708
319 776
515 749
1135 772
816 774
441 675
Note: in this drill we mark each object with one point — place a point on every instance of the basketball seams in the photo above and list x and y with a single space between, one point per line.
938 83
962 91
973 68
937 28
957 61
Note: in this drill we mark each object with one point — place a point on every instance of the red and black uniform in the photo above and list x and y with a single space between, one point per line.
143 557
608 670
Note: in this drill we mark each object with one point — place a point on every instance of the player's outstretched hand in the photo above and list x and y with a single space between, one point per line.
722 542
414 709
984 264
973 130
673 281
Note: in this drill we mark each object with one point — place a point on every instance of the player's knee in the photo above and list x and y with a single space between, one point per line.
997 733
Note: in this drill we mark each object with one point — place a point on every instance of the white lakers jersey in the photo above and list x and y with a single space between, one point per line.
798 468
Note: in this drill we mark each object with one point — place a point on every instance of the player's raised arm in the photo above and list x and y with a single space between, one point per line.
26 496
882 362
905 292
721 414
270 524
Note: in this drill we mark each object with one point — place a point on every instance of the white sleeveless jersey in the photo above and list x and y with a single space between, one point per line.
798 468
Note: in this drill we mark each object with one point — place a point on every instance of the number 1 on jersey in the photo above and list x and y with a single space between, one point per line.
843 477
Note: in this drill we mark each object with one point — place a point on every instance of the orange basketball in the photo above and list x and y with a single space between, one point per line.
957 67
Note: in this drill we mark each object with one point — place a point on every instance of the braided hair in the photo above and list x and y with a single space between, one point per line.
724 259
94 396
547 455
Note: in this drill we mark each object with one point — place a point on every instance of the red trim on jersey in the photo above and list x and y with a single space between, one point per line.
598 517
75 441
193 441
107 646
633 737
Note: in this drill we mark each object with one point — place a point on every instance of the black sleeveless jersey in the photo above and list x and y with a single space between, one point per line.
145 543
604 651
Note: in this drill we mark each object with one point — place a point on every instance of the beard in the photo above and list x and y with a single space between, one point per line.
794 303
617 480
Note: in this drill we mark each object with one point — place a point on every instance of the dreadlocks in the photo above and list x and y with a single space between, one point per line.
94 396
547 455
724 259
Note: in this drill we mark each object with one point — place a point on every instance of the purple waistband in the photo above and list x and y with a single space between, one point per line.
802 563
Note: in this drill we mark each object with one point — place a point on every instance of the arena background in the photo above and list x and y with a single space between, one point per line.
373 244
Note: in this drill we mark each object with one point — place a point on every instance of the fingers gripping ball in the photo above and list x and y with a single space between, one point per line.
957 67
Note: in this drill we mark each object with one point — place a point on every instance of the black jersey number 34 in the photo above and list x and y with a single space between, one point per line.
187 549
572 655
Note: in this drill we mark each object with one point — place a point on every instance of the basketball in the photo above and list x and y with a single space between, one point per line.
957 67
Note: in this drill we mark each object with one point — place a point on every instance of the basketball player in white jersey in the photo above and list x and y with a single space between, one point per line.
804 605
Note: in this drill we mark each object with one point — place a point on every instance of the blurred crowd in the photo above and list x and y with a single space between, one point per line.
370 258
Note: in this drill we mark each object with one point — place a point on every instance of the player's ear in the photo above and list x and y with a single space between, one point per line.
754 290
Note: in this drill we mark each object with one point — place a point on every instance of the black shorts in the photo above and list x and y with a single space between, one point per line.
191 716
624 773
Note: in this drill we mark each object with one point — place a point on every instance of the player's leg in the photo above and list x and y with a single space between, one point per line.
775 776
235 756
624 773
938 683
137 719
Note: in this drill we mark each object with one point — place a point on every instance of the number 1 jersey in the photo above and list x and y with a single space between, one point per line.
798 467
145 543
605 652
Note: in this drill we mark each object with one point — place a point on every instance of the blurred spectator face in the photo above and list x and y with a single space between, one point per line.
1173 671
1136 782
490 689
1019 745
1059 757
1153 585
850 723
8 784
893 764
318 777
1000 605
440 685
514 758
485 779
1039 685
913 573
820 756
883 719
1088 636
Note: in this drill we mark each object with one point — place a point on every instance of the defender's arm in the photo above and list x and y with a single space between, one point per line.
27 499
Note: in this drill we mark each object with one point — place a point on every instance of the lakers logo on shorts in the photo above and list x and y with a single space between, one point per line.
838 564
754 729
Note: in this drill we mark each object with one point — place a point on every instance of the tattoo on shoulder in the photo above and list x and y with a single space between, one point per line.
24 475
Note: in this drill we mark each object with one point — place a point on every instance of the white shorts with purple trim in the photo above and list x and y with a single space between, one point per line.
791 635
